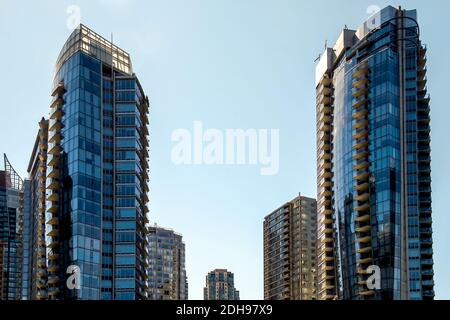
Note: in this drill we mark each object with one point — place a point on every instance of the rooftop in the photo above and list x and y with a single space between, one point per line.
85 40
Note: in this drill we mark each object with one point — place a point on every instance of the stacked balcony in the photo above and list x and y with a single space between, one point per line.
360 124
424 178
53 190
326 263
41 268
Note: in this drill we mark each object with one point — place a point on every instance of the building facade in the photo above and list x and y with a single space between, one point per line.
10 233
34 270
220 286
96 173
290 253
373 162
167 278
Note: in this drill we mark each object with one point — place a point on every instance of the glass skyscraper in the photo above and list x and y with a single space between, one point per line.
373 151
10 233
96 173
167 278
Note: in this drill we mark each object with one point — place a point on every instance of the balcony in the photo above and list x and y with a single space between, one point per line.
57 103
361 145
325 81
53 233
361 70
56 138
362 207
426 221
427 262
360 123
360 92
324 117
362 164
56 113
53 291
360 154
53 279
325 174
57 126
361 81
53 256
323 108
428 283
53 208
364 239
54 185
362 187
55 150
53 221
360 114
324 146
53 197
364 249
325 156
324 183
362 176
324 90
360 103
324 100
360 133
365 261
367 293
324 164
324 126
428 272
363 229
365 217
53 268
426 251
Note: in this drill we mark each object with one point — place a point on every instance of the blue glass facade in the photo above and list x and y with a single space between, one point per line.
100 119
380 150
10 234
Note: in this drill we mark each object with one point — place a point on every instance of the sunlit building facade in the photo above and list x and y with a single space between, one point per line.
373 162
34 262
167 278
97 173
220 286
290 253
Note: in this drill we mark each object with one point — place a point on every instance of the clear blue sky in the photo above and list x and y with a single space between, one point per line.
231 64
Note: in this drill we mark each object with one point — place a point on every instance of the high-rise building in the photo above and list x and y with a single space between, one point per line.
290 256
34 270
373 162
167 278
97 173
220 286
10 233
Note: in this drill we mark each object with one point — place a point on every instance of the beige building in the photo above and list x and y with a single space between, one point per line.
220 286
290 255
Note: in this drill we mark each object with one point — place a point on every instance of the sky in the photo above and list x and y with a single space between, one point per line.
230 64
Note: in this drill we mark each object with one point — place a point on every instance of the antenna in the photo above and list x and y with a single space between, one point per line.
112 50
